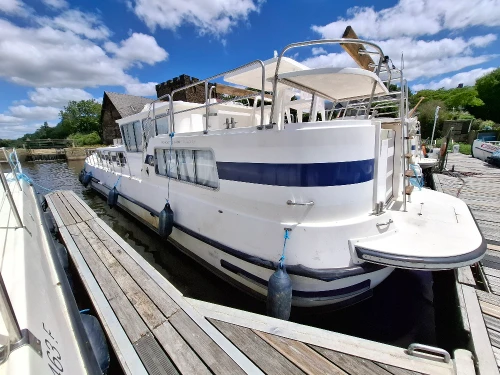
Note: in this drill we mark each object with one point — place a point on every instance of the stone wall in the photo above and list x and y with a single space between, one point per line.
110 129
195 94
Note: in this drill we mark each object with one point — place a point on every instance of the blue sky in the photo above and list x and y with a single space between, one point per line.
52 51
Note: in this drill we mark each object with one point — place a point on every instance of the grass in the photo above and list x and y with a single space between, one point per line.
465 148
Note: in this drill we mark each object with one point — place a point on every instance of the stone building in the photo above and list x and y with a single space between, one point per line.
116 106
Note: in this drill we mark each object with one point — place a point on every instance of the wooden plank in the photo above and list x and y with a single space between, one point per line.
494 337
462 307
68 206
496 353
353 50
488 297
488 308
125 352
61 209
213 356
300 355
397 370
351 364
465 276
148 311
84 205
82 211
492 322
491 272
260 352
167 306
479 335
127 315
310 335
181 354
246 364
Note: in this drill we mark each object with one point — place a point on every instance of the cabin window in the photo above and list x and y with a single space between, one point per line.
162 123
185 162
195 166
138 134
149 128
129 137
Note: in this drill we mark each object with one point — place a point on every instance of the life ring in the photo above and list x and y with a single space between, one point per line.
444 147
424 151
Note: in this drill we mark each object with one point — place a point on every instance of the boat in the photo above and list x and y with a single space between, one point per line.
484 150
254 187
42 330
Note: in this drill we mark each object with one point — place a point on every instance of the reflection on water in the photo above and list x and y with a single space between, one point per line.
397 314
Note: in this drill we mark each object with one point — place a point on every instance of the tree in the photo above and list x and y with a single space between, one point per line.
488 88
426 112
81 117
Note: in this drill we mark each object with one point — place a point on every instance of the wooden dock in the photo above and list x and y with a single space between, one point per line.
478 184
154 329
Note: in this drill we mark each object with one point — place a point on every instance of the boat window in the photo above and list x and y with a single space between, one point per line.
149 128
206 171
122 159
186 165
138 134
196 166
129 137
162 123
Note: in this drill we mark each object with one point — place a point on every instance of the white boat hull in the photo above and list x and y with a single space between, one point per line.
483 150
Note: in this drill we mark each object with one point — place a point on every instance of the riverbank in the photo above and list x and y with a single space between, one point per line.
49 154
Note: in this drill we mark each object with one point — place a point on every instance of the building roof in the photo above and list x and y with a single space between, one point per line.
127 105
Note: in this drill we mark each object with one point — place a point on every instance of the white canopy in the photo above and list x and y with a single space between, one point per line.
252 75
335 83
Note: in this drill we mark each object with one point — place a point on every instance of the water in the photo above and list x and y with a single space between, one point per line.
400 312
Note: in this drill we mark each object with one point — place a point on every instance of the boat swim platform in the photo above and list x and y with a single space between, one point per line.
477 183
154 329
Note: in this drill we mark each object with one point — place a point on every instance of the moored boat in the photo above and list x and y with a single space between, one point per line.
240 178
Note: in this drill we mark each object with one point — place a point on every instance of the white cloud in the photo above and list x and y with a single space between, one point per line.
318 51
34 113
80 23
11 6
332 59
141 89
6 119
415 18
59 97
46 57
209 17
138 47
467 78
56 4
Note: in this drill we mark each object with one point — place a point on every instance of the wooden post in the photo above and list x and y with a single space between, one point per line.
364 61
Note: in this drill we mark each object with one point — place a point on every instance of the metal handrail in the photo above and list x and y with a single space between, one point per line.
12 167
208 93
328 41
13 206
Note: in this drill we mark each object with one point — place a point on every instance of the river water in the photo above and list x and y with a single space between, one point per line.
400 312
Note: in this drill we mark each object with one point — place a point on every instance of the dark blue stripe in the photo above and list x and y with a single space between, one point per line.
491 152
307 175
341 292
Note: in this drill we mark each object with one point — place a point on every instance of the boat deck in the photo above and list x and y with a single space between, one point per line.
477 183
154 329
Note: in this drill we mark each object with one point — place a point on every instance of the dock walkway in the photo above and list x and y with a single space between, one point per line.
154 329
477 183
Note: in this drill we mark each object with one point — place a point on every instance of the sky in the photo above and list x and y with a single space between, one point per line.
52 51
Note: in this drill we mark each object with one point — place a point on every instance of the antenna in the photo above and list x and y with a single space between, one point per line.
402 61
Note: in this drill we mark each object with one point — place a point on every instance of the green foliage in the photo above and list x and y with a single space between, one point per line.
488 88
457 98
426 112
465 148
85 139
81 117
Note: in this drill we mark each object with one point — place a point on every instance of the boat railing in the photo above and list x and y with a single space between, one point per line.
383 60
208 94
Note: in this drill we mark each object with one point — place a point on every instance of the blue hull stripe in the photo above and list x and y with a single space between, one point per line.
305 175
335 293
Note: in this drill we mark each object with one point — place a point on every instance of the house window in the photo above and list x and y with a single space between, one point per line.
194 166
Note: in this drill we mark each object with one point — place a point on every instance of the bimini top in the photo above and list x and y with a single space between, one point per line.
335 83
252 75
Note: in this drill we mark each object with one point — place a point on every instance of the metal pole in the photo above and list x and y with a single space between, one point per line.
403 137
12 168
207 112
10 198
8 313
435 121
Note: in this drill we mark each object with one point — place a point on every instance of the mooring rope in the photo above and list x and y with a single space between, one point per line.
282 259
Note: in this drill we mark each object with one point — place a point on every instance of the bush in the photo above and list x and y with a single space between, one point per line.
85 139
